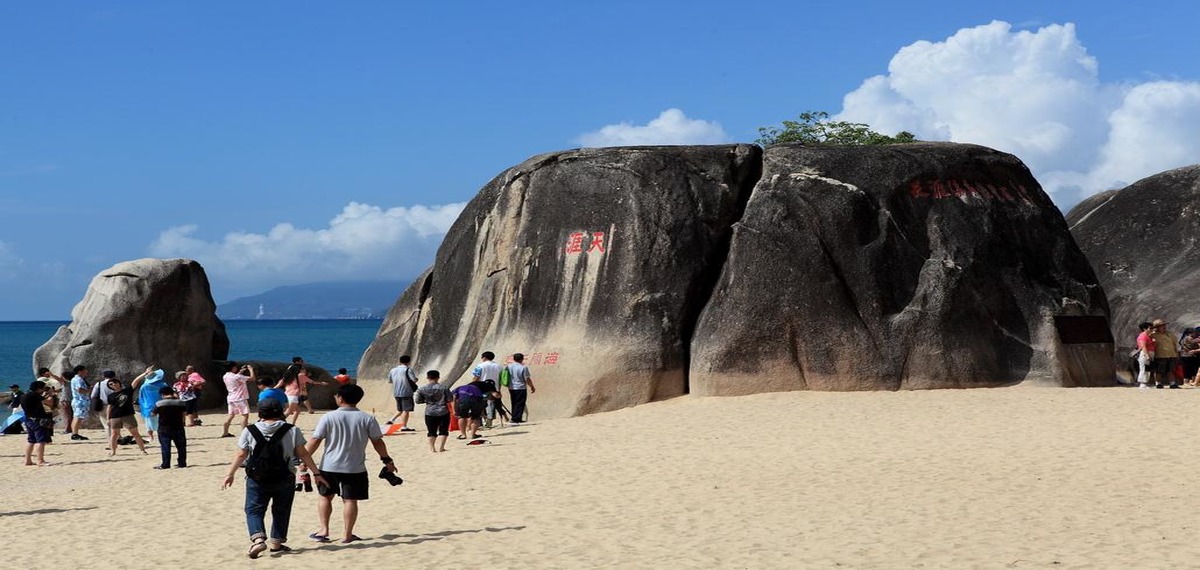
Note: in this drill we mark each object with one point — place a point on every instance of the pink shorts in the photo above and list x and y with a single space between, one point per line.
240 407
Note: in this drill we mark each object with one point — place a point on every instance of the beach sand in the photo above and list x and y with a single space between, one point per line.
1021 477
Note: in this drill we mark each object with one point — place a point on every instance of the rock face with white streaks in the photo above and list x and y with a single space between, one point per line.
628 275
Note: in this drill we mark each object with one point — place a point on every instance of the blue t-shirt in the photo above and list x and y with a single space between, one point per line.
276 393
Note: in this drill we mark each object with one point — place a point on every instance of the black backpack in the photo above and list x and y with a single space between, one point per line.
267 463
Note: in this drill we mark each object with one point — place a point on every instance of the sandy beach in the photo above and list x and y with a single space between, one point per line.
1019 477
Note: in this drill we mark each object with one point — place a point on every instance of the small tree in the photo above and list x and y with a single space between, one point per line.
814 127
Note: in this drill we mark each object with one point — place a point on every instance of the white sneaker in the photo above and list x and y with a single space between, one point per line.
1143 386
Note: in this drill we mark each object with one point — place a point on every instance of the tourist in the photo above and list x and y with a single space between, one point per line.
304 381
520 385
100 394
54 402
436 398
469 403
404 383
120 412
267 389
14 396
346 432
189 392
239 395
81 401
1146 349
342 377
1166 355
170 412
39 424
1189 355
278 494
152 382
488 371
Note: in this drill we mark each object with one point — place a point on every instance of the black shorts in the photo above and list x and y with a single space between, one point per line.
469 408
352 486
405 404
437 425
191 406
303 398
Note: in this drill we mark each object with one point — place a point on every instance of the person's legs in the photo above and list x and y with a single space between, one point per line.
180 439
137 438
256 508
293 411
68 414
518 404
349 516
40 450
307 404
431 426
324 509
29 453
245 420
164 446
228 420
443 431
404 418
282 497
114 433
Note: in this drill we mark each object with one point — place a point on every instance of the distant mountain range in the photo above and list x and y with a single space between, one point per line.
341 300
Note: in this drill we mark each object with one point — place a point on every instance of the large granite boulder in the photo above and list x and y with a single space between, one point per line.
595 263
139 313
628 275
930 265
1142 243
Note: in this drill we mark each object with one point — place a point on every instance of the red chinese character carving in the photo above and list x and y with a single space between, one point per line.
535 359
575 242
971 189
939 189
915 190
956 188
597 244
1022 192
551 359
1000 192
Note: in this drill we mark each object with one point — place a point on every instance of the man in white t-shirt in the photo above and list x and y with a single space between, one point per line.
488 370
346 432
239 395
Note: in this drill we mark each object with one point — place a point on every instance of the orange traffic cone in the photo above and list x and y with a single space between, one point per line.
394 429
453 418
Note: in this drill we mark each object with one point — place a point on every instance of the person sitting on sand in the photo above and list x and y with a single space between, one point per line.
239 395
38 423
121 413
436 398
170 412
278 494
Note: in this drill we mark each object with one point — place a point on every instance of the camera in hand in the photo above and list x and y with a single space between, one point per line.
390 477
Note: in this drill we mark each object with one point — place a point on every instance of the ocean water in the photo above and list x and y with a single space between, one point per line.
330 344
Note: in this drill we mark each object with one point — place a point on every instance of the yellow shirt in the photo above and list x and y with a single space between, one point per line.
1167 346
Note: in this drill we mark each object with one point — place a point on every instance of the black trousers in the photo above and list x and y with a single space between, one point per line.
518 404
167 436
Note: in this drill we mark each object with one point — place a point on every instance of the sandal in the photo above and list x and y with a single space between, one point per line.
319 537
461 437
352 538
257 548
281 548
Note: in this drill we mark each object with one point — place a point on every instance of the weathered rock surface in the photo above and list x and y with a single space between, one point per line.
139 313
896 267
1142 243
594 263
851 268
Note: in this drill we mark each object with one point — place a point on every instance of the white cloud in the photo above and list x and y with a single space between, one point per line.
11 264
671 127
363 242
1035 94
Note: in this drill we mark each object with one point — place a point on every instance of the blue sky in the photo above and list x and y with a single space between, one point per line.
289 142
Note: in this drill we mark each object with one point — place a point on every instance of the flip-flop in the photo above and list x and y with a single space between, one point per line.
353 538
282 548
257 549
319 537
461 437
